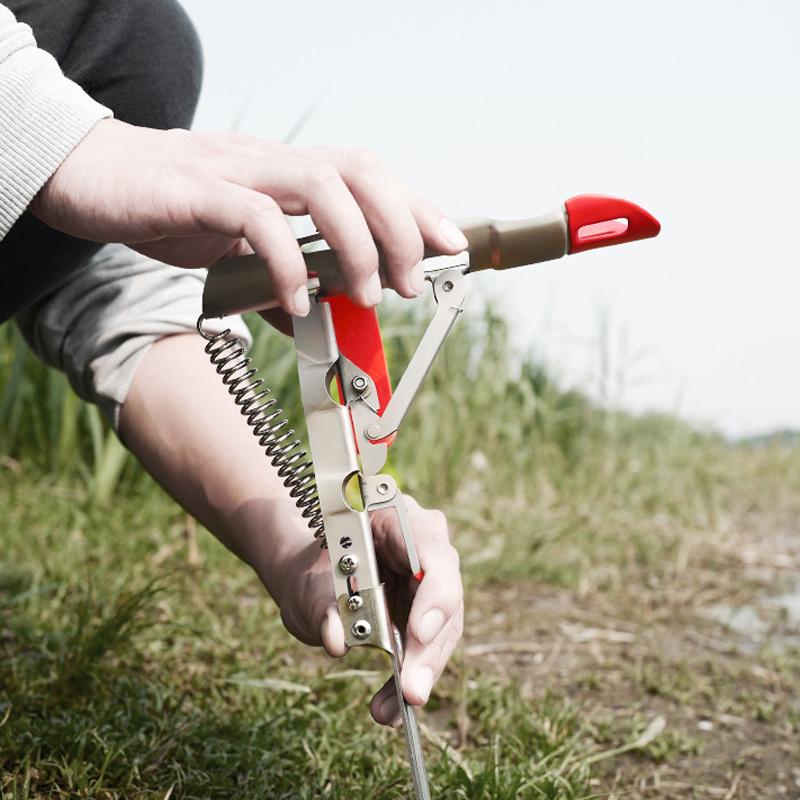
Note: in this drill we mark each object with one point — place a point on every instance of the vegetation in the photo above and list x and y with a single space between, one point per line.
597 547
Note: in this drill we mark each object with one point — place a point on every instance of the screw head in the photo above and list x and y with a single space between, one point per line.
447 286
373 431
348 564
355 602
361 629
383 488
359 383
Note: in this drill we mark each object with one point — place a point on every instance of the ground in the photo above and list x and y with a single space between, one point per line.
114 687
633 628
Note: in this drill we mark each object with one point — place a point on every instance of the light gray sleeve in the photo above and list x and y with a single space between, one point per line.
98 325
43 115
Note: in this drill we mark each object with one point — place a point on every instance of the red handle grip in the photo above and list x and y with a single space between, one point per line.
598 221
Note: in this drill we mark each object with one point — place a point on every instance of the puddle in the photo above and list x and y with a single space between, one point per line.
744 620
774 620
790 604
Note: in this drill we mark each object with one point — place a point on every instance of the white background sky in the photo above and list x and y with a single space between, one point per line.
506 109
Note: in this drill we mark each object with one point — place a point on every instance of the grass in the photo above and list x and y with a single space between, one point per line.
129 668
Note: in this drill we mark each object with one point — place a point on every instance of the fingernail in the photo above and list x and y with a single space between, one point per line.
300 302
453 234
389 710
423 683
416 279
430 625
374 289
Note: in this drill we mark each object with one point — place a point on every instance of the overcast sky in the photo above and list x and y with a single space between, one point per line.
506 109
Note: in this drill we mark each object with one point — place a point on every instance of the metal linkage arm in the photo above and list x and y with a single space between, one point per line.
449 288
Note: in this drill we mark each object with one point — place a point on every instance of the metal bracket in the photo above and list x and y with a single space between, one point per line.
380 491
360 595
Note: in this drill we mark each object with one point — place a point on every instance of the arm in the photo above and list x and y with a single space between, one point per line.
179 421
43 116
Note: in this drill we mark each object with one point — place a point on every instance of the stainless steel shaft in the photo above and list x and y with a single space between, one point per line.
419 775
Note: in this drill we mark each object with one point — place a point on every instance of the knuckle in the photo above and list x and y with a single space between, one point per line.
363 256
321 175
362 161
439 521
283 267
260 205
454 597
408 248
411 502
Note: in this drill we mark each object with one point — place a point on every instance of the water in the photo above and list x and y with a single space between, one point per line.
756 624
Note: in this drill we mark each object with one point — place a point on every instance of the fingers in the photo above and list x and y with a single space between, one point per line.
385 708
357 205
424 663
401 222
332 633
383 201
440 593
435 623
315 186
239 212
421 669
341 221
439 232
436 619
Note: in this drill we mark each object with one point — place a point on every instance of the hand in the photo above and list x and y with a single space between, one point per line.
190 199
433 609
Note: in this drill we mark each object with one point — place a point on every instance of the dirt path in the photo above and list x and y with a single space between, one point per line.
715 651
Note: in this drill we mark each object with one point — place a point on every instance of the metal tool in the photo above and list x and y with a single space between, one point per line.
351 413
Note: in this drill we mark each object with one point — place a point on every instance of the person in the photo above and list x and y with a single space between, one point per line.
109 204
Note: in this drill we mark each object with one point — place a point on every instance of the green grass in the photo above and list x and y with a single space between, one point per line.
119 684
126 671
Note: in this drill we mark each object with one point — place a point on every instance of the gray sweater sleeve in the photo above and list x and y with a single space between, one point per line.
43 116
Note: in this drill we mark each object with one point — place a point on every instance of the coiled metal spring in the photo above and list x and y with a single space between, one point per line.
227 354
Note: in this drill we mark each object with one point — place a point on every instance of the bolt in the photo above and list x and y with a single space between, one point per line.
348 564
359 383
355 602
448 286
373 431
361 629
383 488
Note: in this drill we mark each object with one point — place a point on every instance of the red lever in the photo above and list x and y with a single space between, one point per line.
596 220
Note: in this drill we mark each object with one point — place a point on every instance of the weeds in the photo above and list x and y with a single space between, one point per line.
130 670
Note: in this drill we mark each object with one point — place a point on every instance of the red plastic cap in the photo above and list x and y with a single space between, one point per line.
596 220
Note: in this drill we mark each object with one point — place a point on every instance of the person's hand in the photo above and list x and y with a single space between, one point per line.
432 611
190 199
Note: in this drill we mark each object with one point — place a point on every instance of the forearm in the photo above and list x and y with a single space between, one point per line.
182 425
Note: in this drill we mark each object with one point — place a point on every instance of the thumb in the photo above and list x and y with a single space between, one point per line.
331 632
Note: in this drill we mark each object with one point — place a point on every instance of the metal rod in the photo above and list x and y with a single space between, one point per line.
419 775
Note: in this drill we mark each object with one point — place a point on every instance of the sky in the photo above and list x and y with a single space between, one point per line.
506 109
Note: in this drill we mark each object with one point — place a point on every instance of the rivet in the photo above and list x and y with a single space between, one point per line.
361 629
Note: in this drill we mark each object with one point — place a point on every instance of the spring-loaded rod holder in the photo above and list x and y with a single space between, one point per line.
352 415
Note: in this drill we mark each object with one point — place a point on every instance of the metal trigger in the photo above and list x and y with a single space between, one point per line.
380 491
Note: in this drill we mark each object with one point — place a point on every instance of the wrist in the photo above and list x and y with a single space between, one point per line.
272 538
